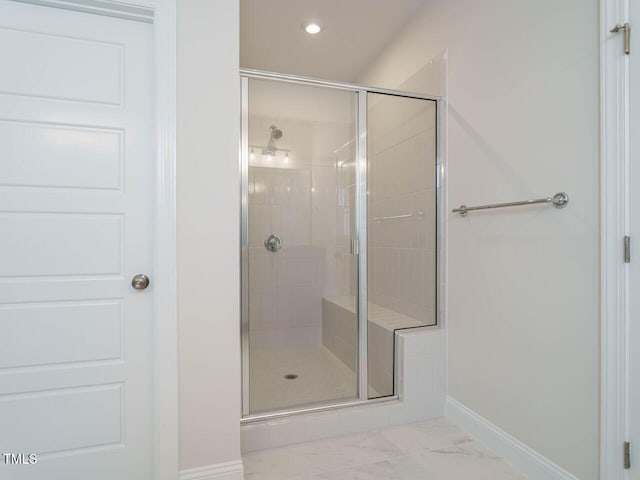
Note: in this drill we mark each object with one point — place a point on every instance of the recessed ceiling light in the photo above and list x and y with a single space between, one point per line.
312 28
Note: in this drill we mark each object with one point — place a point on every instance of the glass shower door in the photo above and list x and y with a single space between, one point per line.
299 324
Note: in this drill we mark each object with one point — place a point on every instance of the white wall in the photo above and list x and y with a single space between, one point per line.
208 224
523 321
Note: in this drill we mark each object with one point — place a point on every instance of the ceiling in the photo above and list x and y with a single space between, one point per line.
354 33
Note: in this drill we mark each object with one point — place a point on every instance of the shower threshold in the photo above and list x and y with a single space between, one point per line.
320 408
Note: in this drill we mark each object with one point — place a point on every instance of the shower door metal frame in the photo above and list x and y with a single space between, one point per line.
360 232
362 313
244 242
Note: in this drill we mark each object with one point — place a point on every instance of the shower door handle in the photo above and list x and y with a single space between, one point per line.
273 243
355 250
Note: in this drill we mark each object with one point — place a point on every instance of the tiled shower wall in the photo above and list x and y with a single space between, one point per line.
306 202
402 183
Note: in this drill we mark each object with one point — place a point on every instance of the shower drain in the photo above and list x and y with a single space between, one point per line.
291 376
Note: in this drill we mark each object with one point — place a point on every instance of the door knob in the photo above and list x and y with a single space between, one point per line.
140 281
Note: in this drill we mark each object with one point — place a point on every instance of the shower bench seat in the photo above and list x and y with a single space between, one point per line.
339 335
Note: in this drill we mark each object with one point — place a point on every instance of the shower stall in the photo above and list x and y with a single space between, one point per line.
339 232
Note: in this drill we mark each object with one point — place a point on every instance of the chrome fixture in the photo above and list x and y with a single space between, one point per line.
559 200
627 249
393 217
626 29
140 281
272 148
273 243
276 134
354 248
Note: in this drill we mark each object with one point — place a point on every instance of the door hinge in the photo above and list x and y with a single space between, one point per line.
627 249
626 29
627 456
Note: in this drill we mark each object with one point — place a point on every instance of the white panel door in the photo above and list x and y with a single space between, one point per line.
633 341
76 209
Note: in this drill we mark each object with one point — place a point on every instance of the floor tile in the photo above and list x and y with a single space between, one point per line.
400 469
430 435
319 456
433 450
468 461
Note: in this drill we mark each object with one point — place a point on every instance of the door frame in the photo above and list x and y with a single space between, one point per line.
162 14
165 348
614 155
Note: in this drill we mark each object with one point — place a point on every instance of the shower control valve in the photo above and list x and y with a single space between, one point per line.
273 243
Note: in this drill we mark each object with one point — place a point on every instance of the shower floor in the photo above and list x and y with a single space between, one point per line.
321 378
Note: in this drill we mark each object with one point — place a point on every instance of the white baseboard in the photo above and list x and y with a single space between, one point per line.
219 471
521 456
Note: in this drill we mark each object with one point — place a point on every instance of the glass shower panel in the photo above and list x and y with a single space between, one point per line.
401 227
302 327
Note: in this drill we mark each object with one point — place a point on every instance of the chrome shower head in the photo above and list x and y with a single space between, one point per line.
276 133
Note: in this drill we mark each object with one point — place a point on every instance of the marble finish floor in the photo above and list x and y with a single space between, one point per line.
432 450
